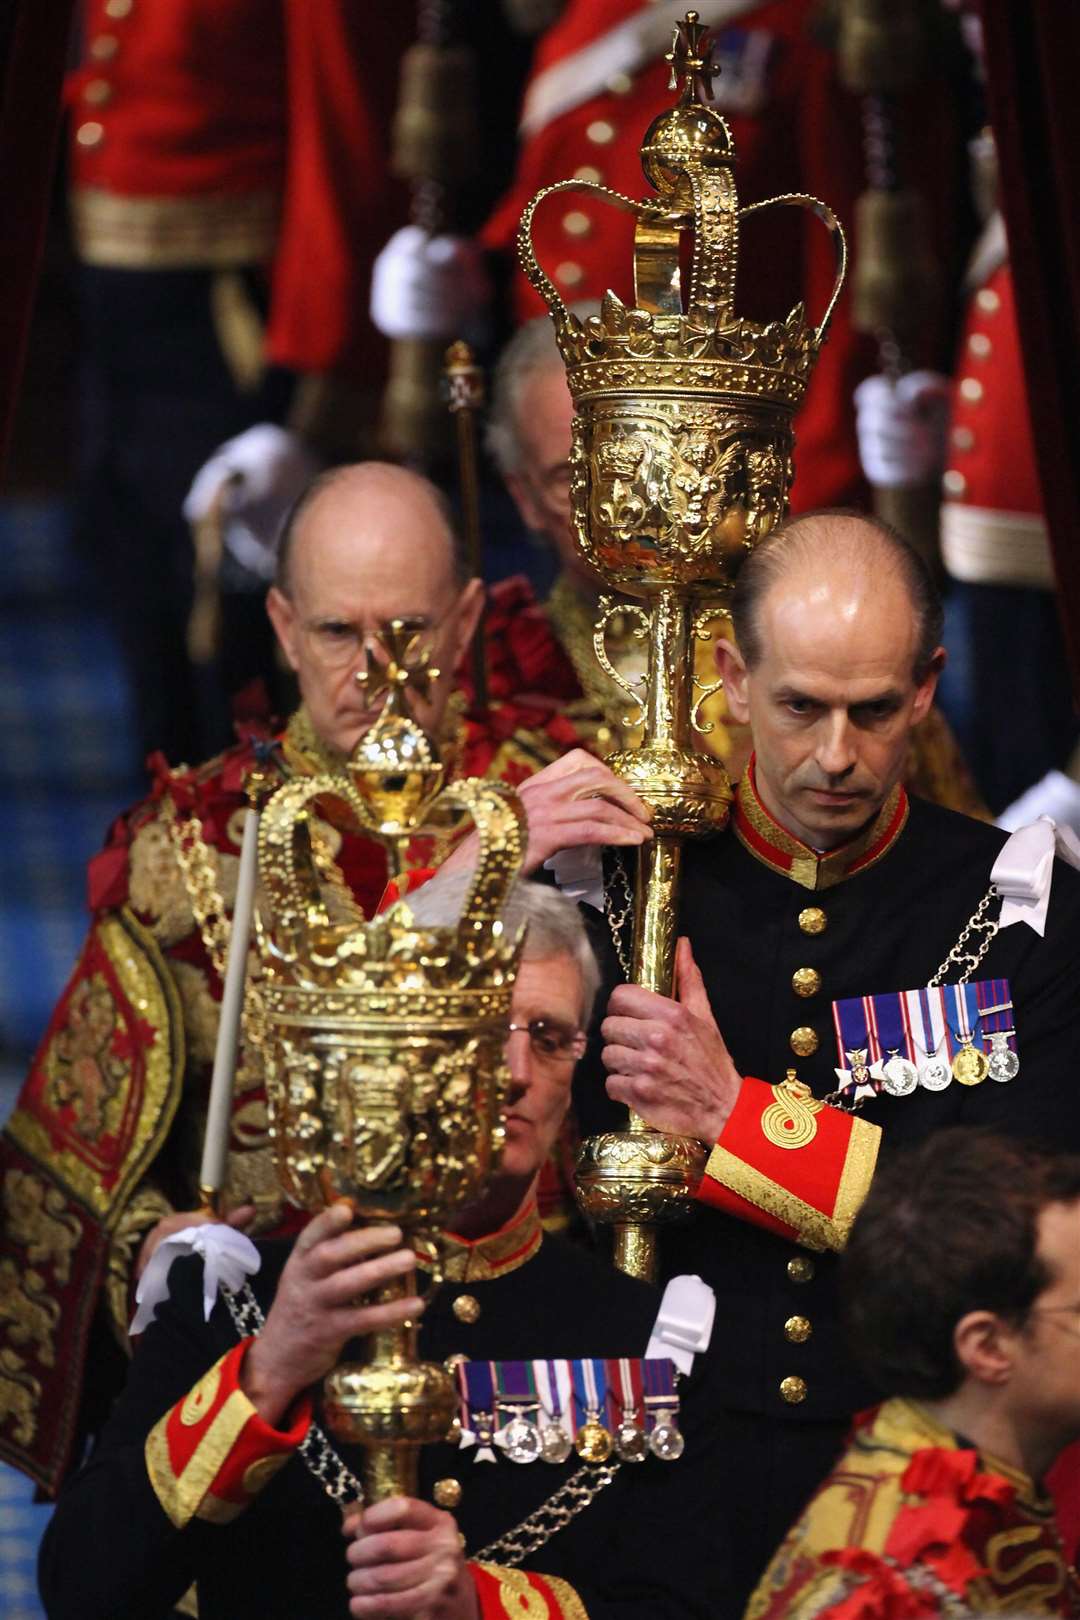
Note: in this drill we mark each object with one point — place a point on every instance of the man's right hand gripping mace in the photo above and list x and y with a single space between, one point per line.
681 462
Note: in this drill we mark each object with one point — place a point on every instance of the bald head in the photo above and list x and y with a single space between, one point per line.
367 506
835 565
367 544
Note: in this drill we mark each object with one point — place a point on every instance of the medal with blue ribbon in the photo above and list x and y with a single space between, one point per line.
889 1023
594 1441
554 1387
970 1065
997 1021
926 1020
476 1380
864 1078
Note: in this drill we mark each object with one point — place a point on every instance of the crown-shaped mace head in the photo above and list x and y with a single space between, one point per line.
682 453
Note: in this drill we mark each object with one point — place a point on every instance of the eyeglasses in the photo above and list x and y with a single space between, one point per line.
339 644
551 1040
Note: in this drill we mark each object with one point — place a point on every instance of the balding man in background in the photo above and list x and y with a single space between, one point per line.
858 969
99 1160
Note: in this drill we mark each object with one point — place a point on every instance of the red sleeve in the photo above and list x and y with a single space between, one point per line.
502 1592
340 202
211 1453
400 888
788 1163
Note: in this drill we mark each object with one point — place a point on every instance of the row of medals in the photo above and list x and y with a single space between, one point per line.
970 1067
525 1442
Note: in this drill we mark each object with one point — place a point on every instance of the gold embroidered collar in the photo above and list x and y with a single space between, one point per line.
906 1425
779 850
498 1253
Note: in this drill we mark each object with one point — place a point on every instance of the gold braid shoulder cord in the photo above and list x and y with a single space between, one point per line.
342 1486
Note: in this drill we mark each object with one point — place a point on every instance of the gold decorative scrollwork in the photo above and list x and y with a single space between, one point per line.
610 608
31 1315
20 1395
36 1218
706 689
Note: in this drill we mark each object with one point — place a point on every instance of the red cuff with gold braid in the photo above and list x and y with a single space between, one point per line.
400 887
522 1594
789 1163
212 1453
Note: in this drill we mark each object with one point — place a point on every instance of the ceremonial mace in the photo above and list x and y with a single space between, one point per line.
383 1045
681 462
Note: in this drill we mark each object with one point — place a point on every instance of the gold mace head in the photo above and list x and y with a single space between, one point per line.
682 451
383 1040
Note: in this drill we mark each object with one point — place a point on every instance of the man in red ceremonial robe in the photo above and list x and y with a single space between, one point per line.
962 1289
102 1150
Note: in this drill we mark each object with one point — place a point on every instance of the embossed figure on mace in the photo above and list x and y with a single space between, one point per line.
681 462
383 1040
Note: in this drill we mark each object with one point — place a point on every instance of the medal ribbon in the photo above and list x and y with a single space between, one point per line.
890 1025
926 1019
658 1382
552 1380
996 1015
964 1010
852 1035
590 1382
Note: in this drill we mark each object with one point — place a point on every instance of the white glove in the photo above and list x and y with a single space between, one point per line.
428 286
258 475
901 428
228 1257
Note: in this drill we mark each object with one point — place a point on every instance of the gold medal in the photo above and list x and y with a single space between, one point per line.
594 1443
970 1067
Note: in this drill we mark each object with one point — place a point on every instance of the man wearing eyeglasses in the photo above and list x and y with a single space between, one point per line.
99 1160
640 1533
961 1283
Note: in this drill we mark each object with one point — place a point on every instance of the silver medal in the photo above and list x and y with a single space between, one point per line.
555 1443
666 1440
935 1074
900 1078
520 1440
1004 1063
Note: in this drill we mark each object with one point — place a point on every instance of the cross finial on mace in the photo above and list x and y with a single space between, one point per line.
691 60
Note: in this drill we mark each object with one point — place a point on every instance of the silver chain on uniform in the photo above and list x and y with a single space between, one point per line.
572 1498
977 923
617 919
320 1459
342 1486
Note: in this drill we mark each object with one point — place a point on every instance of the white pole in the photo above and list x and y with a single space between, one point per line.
219 1114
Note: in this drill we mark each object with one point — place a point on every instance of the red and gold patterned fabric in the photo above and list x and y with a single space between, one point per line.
912 1523
212 1453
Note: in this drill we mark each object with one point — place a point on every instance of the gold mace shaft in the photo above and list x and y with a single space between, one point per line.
638 1178
465 390
391 1403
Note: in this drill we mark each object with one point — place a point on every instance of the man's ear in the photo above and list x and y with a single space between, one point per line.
531 514
470 605
282 615
734 674
984 1347
924 693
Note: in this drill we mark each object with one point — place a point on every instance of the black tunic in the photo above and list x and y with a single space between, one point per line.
652 1544
887 928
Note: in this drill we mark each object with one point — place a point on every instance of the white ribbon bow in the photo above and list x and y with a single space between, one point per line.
1024 871
228 1257
579 874
684 1323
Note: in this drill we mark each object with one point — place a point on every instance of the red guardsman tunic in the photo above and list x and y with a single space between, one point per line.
595 87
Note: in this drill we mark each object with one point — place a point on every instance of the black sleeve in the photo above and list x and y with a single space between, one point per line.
110 1551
